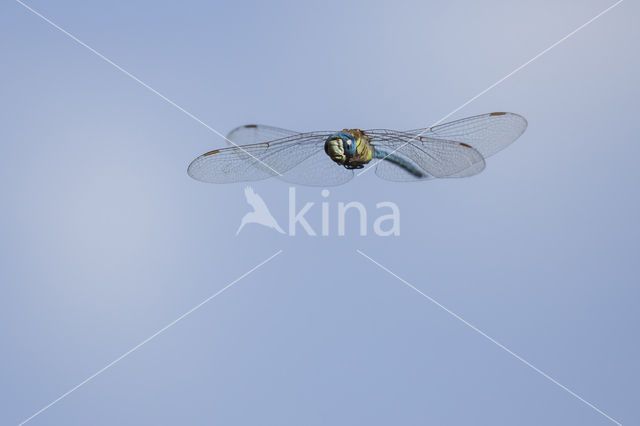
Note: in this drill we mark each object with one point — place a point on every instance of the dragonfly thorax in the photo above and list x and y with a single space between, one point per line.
350 148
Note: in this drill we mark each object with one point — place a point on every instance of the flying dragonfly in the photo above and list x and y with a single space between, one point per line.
327 158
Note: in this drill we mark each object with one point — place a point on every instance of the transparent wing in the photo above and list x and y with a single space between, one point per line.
436 157
257 133
487 133
316 170
295 158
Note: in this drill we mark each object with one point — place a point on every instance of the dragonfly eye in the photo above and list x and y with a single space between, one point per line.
349 145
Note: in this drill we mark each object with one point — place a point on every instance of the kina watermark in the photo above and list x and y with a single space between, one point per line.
333 220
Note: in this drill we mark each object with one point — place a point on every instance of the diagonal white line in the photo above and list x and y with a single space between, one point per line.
495 84
142 83
491 339
139 345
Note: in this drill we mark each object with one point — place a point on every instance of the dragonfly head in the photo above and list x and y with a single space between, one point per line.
340 146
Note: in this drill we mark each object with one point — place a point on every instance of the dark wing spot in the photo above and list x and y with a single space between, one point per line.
497 113
253 126
215 151
465 145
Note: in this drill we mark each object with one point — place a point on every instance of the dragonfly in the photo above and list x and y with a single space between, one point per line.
328 158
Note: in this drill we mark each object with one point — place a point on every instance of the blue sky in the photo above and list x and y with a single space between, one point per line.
105 238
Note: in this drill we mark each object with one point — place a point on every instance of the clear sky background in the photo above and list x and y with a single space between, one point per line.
104 238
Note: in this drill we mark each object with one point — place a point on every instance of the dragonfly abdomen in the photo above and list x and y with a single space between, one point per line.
398 161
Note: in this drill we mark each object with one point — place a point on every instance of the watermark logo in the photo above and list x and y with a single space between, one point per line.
386 223
260 214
